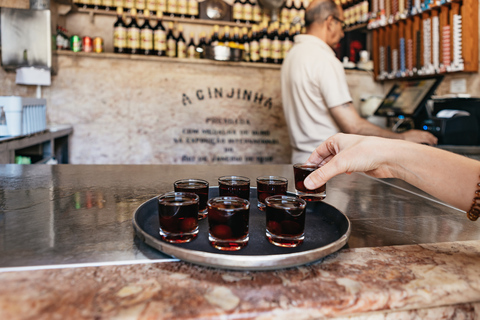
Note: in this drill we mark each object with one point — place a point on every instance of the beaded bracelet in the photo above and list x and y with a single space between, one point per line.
474 211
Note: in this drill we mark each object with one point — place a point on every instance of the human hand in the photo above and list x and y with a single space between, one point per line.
420 136
346 153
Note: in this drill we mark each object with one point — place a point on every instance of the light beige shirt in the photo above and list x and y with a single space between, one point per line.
313 80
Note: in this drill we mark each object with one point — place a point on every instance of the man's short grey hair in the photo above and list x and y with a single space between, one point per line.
320 12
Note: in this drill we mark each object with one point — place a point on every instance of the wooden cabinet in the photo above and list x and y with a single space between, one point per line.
15 4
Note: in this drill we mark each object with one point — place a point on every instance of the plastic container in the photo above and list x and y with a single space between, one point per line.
24 115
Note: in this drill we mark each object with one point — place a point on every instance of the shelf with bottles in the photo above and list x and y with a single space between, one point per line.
440 40
245 13
262 43
388 12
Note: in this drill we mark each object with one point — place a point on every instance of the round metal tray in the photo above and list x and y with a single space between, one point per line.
326 231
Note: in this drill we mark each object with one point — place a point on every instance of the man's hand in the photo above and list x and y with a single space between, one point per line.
420 136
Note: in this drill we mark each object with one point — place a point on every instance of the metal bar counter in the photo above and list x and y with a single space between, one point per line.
68 250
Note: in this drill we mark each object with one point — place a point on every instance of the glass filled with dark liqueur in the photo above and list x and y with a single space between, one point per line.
197 186
228 223
234 186
270 186
285 217
178 216
301 171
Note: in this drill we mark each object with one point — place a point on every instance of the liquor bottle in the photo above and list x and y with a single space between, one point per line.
192 10
159 37
247 11
118 3
276 45
287 43
226 38
108 5
264 43
245 41
128 5
171 42
120 33
162 6
256 12
146 35
236 41
140 6
301 12
97 4
191 48
133 34
237 11
182 8
254 45
285 12
181 44
214 40
202 44
293 11
172 7
151 5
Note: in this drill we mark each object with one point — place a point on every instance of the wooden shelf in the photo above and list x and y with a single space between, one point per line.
93 12
418 59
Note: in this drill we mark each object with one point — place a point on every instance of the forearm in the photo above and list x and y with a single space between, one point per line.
365 128
445 175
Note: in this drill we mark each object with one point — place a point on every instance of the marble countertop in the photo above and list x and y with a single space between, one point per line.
67 250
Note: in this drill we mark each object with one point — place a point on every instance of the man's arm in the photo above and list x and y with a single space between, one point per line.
349 121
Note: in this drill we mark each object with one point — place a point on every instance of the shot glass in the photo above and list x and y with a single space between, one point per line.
270 186
285 220
178 216
234 186
301 171
197 186
228 223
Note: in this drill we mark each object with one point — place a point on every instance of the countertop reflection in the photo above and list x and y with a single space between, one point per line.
80 214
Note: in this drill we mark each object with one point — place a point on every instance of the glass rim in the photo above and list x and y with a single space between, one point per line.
306 165
268 200
239 178
205 182
168 196
245 204
274 178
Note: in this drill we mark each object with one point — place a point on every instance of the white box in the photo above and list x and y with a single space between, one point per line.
24 115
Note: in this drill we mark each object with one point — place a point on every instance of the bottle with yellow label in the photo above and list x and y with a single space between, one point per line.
254 45
161 5
276 45
247 13
182 8
256 12
151 5
172 7
107 5
120 33
192 48
171 42
237 11
118 3
285 12
128 5
146 35
192 8
140 6
245 41
181 44
265 44
159 37
133 34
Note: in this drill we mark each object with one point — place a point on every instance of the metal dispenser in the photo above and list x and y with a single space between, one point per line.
272 6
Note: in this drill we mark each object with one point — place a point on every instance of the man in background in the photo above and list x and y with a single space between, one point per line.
316 100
